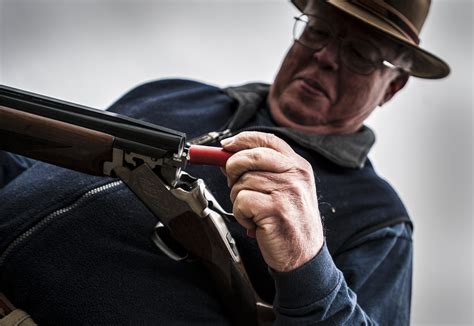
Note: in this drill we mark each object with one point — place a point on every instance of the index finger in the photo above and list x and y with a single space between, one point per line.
255 159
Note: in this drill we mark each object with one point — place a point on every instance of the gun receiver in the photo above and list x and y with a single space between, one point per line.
150 160
39 137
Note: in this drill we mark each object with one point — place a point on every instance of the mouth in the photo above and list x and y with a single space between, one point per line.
313 87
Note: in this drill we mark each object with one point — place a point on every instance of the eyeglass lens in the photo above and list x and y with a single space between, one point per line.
358 55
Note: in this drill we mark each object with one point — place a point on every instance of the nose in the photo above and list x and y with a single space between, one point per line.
328 57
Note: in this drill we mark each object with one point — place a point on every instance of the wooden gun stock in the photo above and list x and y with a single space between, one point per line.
54 141
231 278
193 217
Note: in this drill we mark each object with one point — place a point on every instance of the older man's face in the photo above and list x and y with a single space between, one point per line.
315 91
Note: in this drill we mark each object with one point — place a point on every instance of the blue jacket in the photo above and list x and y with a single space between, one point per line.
76 249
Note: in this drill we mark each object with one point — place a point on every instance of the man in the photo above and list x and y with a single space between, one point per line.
332 240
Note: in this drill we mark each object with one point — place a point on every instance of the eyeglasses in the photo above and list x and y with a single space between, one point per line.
358 55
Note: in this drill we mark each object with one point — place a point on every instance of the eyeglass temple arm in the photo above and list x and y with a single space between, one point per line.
392 66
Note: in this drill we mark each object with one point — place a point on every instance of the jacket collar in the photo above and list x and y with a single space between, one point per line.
345 150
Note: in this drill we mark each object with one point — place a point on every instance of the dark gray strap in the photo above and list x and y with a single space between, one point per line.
250 97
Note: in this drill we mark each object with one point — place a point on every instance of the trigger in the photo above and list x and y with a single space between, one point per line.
167 244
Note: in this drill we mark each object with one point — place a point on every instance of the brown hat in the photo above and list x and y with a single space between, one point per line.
401 20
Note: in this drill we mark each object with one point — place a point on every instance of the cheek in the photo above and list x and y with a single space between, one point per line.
294 59
361 91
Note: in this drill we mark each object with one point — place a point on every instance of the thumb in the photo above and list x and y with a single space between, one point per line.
254 139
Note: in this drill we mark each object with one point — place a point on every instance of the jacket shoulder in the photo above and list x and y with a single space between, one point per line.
164 88
189 106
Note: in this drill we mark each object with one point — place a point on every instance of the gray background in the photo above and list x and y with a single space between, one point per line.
91 52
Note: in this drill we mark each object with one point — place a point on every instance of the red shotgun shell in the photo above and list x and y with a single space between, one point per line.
208 155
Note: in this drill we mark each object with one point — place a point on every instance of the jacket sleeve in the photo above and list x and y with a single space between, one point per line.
11 166
369 284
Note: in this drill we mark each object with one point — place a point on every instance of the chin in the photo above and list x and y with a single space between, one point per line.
295 111
285 114
289 120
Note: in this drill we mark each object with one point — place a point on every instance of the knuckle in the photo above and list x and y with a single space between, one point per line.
238 214
271 138
248 179
304 167
245 178
246 135
234 191
256 155
237 208
280 206
235 167
241 197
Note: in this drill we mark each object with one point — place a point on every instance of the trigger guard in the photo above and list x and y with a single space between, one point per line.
164 247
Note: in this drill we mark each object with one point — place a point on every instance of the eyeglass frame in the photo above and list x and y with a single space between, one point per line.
383 63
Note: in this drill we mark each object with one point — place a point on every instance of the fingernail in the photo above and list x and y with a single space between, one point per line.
227 141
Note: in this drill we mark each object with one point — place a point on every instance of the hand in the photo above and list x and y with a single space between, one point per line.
274 197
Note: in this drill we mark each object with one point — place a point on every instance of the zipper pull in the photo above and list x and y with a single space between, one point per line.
210 137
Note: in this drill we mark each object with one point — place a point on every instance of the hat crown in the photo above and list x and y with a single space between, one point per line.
401 21
407 15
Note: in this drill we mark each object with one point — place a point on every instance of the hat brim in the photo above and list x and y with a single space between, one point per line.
424 65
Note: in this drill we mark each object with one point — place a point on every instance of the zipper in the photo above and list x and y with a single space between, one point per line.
54 216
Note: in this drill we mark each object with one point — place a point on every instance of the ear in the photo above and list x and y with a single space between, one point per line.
395 85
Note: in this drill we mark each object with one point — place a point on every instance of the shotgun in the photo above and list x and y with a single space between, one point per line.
150 160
